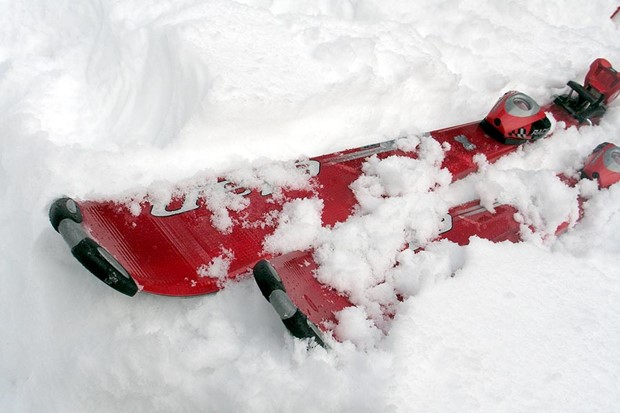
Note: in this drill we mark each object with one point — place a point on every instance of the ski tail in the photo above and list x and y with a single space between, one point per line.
272 288
66 218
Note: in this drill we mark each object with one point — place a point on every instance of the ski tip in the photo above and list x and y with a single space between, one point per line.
66 218
63 208
272 288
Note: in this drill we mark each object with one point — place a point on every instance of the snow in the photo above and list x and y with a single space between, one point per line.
104 99
298 226
399 203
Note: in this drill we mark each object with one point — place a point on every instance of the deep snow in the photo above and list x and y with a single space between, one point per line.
104 98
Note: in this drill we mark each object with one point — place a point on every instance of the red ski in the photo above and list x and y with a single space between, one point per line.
303 303
307 306
169 248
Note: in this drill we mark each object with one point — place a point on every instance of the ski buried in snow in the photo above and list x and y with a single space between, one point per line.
164 247
316 304
288 281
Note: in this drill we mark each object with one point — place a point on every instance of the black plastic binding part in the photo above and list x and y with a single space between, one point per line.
540 125
273 290
66 218
585 104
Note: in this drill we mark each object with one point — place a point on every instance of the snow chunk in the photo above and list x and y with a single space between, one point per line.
354 325
399 204
299 225
544 201
222 196
218 267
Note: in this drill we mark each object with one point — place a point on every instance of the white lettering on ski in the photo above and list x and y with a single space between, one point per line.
191 198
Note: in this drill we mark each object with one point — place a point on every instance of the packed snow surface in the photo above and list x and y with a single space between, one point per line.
100 99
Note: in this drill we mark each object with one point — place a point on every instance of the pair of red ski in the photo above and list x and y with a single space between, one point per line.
180 248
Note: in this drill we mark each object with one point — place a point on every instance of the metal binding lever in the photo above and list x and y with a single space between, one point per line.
66 218
273 290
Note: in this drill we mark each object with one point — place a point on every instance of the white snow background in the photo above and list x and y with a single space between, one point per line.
101 98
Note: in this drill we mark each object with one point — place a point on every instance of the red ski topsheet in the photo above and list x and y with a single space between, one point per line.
166 250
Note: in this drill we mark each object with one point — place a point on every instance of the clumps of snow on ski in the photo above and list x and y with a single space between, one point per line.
542 199
399 204
224 195
218 266
354 325
299 225
106 98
